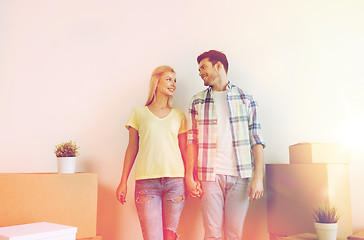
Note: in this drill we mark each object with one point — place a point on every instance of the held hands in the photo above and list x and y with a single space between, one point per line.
256 189
121 193
194 187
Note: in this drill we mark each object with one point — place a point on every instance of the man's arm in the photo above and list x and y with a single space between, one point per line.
192 182
256 188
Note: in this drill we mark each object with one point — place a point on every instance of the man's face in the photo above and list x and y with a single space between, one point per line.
208 72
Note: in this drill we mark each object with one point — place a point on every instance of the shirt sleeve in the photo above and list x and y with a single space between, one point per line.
192 134
255 130
133 120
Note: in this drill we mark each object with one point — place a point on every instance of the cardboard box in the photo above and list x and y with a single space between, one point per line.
357 236
98 237
38 231
294 189
67 199
304 236
318 153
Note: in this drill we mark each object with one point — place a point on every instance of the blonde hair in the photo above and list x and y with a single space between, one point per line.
154 79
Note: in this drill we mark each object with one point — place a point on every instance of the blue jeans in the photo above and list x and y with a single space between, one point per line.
225 203
159 203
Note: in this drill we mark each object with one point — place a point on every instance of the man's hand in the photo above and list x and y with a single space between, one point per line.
256 189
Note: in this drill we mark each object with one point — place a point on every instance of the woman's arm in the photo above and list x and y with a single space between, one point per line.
182 142
192 183
129 159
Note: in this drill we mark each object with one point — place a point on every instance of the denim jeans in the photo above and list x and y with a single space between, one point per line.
159 203
225 203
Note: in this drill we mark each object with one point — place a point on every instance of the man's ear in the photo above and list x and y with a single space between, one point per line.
218 66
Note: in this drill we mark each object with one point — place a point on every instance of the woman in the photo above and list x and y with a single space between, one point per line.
157 142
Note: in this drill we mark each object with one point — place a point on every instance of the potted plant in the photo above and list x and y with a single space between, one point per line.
66 157
326 217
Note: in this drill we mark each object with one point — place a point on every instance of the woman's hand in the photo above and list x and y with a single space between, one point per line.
193 187
121 192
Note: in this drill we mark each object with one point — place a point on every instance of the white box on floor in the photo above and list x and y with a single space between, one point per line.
38 231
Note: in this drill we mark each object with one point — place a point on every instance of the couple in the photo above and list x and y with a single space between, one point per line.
218 154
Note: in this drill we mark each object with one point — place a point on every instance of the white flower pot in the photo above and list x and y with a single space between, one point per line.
66 164
326 231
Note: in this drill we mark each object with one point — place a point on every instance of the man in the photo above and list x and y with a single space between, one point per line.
225 150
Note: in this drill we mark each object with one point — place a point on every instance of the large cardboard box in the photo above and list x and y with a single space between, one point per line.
98 237
67 199
357 236
294 189
38 231
318 153
304 236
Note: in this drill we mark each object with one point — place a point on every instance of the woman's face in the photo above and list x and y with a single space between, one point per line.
167 83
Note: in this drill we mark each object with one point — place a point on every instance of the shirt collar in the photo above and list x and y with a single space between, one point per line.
228 87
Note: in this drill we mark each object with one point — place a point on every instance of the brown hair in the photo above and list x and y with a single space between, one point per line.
214 57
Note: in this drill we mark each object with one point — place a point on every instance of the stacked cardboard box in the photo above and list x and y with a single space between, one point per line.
317 172
66 199
357 236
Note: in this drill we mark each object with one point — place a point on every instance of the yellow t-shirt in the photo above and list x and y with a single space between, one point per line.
159 154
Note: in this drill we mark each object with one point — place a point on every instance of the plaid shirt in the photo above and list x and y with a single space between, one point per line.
245 130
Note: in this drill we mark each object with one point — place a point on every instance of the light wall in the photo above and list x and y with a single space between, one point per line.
75 69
